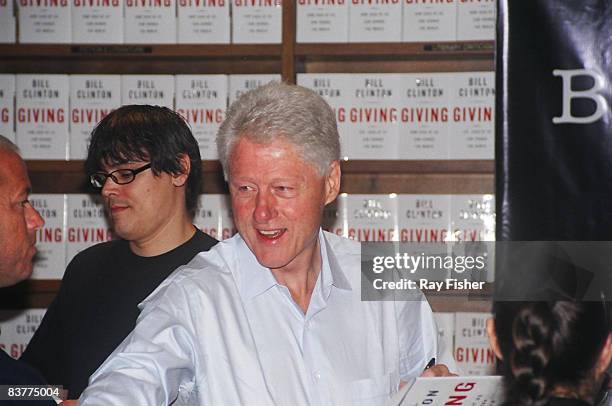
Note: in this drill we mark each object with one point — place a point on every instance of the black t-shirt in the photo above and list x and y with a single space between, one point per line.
96 308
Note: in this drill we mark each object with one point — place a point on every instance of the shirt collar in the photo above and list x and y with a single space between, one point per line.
254 279
331 271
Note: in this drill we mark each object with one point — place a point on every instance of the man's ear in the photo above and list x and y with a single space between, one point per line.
180 179
493 337
332 182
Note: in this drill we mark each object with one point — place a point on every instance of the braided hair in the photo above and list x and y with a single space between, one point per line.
548 345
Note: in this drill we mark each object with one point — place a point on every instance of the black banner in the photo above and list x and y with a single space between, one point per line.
553 120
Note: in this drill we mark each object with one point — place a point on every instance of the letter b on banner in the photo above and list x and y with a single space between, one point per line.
591 94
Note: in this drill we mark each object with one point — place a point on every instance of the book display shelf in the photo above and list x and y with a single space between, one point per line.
289 59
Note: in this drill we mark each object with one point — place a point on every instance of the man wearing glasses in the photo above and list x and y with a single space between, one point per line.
147 165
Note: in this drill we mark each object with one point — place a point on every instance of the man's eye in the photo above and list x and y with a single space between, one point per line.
285 191
123 175
244 188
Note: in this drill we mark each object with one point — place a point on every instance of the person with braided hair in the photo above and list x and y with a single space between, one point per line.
554 353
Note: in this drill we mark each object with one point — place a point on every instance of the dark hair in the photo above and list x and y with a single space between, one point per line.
147 133
549 344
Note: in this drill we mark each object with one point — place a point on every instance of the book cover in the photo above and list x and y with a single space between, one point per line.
320 21
202 101
214 216
92 97
148 89
97 21
476 20
8 30
375 21
86 223
423 222
239 84
473 353
473 217
425 111
7 106
372 217
50 259
150 22
472 129
256 21
374 116
336 89
17 328
334 216
473 221
42 116
423 218
429 21
8 33
203 21
45 21
451 390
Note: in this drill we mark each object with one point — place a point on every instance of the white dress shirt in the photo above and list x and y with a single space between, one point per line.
222 331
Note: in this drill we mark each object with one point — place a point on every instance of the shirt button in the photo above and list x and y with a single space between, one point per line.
316 376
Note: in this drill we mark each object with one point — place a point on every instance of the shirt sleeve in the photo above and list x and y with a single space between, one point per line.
153 361
418 337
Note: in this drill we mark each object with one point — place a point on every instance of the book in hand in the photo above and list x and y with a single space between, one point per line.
451 390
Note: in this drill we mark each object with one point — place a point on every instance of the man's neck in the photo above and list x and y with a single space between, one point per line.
165 240
301 279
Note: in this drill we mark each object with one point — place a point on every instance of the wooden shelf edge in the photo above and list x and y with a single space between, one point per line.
137 51
483 49
418 166
462 301
477 49
35 286
48 285
349 166
54 166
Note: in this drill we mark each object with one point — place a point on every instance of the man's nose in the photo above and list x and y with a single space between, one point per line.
34 220
265 207
109 188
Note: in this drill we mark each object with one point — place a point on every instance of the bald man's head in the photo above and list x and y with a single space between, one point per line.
18 219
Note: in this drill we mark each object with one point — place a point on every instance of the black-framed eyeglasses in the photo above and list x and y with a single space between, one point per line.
120 176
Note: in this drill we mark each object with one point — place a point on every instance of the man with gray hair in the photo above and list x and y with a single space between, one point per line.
272 316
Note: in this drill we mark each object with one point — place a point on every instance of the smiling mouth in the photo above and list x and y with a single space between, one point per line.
116 209
271 234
